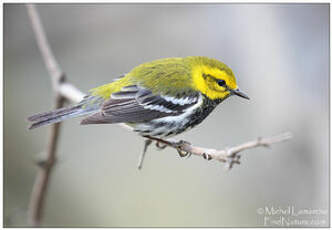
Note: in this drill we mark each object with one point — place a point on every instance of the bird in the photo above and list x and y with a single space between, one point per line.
158 99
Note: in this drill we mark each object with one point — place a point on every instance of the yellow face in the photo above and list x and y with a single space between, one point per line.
213 82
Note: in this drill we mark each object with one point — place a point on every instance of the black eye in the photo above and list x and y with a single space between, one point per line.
221 82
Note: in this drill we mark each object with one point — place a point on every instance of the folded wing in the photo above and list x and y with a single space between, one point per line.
135 104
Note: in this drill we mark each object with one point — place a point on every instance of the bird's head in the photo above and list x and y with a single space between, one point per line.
214 79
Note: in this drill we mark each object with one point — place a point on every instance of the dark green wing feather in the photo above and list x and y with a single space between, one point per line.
134 104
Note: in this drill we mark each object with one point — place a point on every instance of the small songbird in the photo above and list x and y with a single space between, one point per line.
159 99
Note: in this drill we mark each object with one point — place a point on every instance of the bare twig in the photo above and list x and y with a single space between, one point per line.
230 156
64 91
40 186
58 78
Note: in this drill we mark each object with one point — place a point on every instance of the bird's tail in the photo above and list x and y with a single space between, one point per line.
58 115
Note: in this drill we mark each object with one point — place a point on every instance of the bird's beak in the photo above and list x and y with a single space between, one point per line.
239 93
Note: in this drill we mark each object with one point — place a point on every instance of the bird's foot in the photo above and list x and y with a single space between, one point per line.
160 145
179 147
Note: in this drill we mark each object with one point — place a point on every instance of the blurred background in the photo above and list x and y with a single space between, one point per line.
280 55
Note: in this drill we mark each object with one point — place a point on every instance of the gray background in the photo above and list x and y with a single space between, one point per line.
280 55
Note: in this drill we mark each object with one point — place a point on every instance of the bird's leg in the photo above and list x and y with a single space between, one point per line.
147 143
177 145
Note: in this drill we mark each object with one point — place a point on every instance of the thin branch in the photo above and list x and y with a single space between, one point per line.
230 156
40 186
39 190
59 83
48 57
64 91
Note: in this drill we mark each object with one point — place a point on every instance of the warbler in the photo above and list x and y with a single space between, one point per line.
159 99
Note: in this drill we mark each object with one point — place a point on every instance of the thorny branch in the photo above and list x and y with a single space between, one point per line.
66 91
